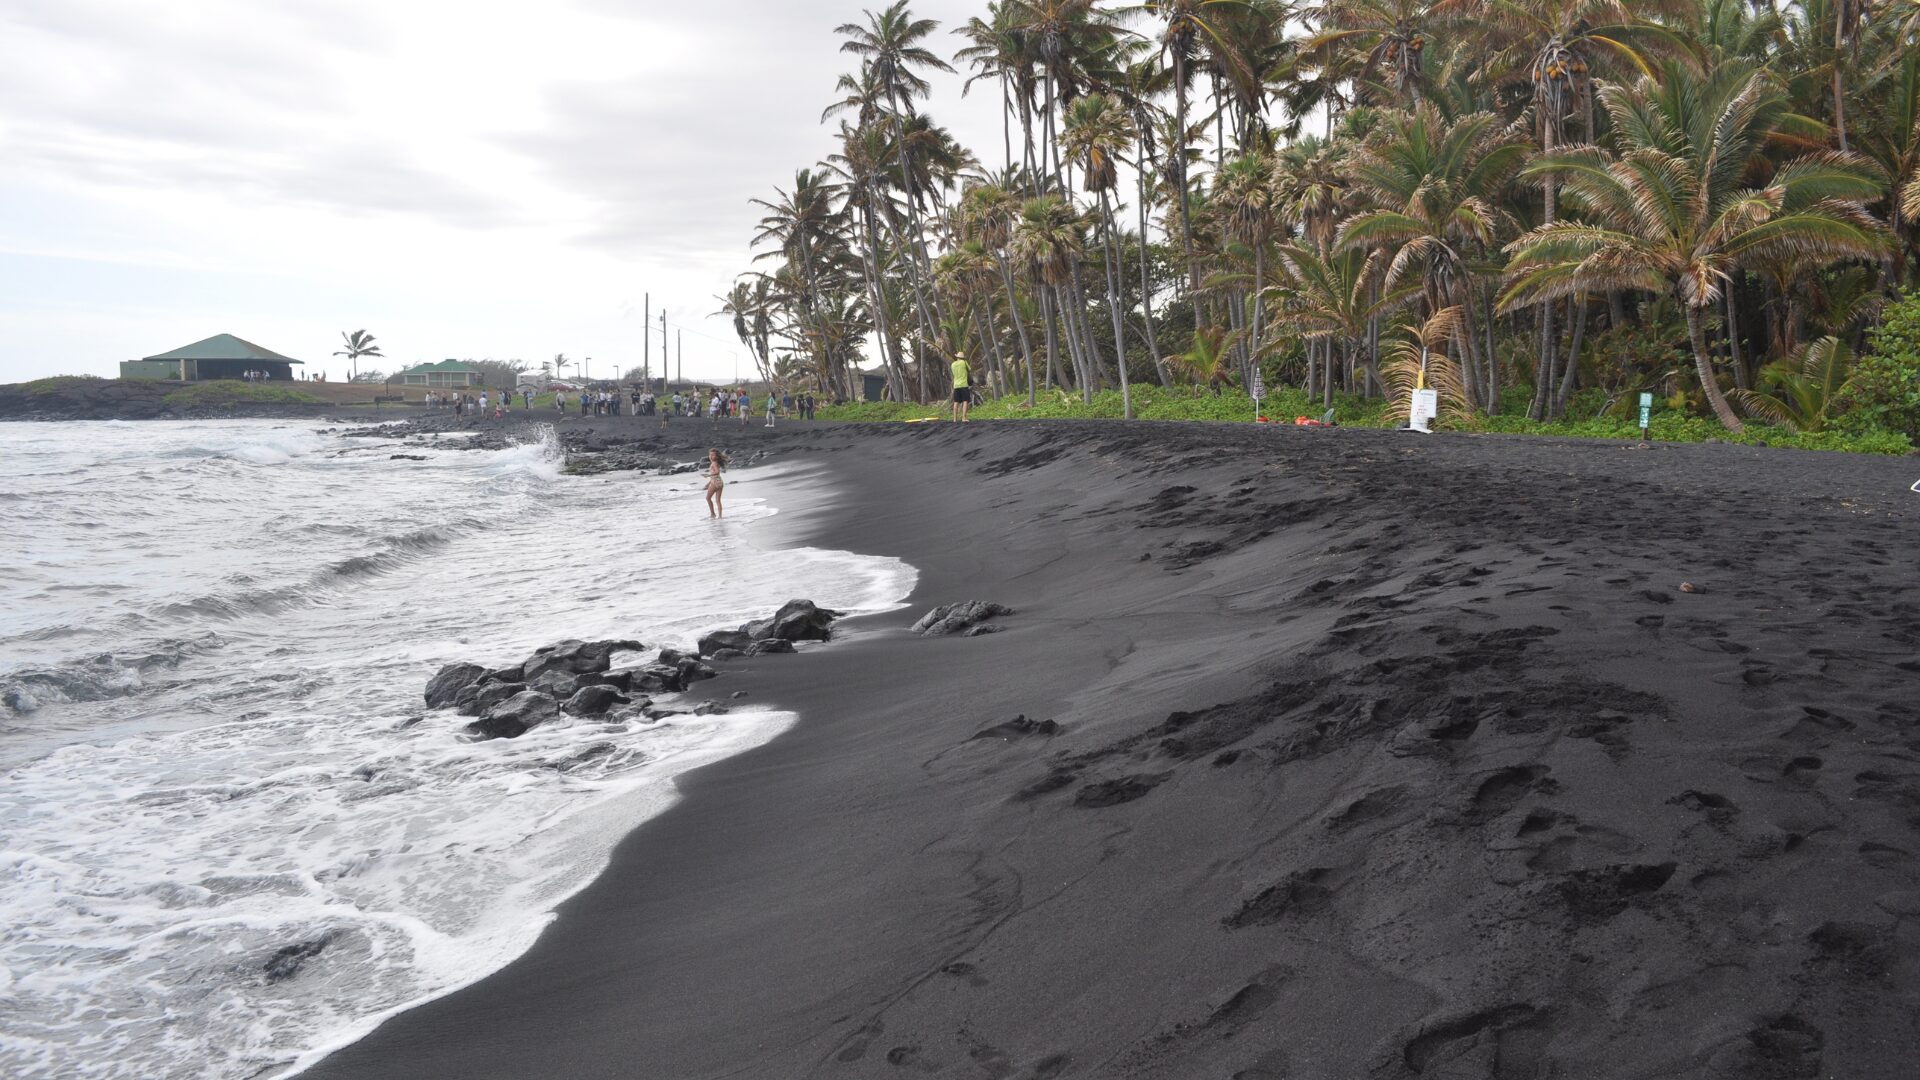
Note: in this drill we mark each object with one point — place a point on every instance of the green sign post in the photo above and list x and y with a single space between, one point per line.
1646 415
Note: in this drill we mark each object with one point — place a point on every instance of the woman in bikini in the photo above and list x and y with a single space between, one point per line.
716 463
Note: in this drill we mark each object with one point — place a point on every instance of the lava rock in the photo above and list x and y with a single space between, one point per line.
575 657
693 671
770 645
727 654
480 698
965 617
660 678
286 963
447 683
516 716
594 700
737 640
797 620
672 657
559 684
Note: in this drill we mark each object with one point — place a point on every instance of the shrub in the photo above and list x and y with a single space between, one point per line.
1884 392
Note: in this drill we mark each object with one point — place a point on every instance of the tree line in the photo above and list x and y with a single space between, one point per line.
1508 200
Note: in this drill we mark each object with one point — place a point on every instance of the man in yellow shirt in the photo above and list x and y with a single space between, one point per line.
962 393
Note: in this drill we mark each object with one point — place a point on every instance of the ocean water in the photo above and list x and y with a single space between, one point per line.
231 837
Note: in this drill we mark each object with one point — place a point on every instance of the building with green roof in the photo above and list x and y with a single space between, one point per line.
446 373
221 356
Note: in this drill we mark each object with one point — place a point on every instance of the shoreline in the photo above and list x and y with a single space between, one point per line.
1331 795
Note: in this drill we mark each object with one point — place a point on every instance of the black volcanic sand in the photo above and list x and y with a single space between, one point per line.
1378 756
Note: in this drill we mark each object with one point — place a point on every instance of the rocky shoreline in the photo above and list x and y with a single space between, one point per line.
579 678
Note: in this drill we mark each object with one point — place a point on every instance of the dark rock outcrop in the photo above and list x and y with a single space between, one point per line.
516 716
575 657
287 961
447 683
968 617
479 698
797 620
770 645
594 701
737 640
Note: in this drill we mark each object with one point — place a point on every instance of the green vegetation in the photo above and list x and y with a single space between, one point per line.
1543 208
1588 418
1884 390
58 382
234 392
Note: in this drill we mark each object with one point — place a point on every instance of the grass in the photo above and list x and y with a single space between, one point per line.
1160 403
57 382
231 392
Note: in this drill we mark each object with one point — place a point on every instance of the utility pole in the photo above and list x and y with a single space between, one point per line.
680 343
666 353
646 341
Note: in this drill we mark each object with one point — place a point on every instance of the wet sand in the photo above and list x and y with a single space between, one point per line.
1377 756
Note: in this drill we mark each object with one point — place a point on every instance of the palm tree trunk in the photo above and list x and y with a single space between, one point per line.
1180 168
1019 322
1839 95
1259 283
1113 306
1703 366
1543 369
1146 281
1089 348
1571 378
1046 316
1733 339
1469 328
992 337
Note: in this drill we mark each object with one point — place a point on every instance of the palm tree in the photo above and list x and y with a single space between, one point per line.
1677 211
1098 131
359 343
1552 48
1387 38
1805 386
1437 187
987 213
1188 24
1047 240
1334 298
1248 209
890 45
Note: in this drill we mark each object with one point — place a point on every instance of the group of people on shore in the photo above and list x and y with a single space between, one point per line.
494 403
717 404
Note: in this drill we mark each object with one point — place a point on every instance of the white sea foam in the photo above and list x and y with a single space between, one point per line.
233 840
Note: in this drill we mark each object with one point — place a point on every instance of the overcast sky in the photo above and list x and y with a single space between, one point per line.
488 178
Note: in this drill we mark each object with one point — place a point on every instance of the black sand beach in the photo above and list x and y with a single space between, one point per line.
1377 756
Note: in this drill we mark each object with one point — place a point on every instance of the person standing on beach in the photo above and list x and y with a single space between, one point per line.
962 393
743 405
771 402
716 464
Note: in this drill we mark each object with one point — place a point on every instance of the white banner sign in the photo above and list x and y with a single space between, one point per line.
1426 406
